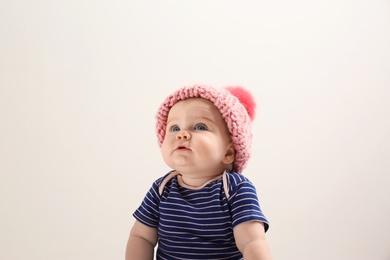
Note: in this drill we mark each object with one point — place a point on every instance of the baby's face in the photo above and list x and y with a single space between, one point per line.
197 141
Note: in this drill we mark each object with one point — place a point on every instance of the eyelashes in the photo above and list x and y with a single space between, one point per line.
200 127
175 128
197 127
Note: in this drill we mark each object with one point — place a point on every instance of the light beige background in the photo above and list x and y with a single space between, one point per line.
80 82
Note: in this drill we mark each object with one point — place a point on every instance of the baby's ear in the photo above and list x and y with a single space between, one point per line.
230 154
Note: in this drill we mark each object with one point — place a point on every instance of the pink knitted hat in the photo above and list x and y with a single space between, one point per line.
237 107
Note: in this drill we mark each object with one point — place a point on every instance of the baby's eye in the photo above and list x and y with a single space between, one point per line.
175 128
200 127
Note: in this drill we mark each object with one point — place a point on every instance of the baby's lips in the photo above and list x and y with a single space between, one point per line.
182 147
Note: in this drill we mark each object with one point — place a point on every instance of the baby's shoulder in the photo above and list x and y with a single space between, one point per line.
234 179
234 182
165 180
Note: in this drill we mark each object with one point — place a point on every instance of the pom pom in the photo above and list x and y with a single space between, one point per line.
245 98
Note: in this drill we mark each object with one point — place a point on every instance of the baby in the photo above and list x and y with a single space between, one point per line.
204 208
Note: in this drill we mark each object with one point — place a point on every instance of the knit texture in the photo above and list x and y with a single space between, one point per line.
236 106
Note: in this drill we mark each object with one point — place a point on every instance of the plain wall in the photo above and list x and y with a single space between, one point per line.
80 82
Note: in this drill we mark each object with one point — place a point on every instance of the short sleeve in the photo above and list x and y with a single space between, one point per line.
148 212
245 205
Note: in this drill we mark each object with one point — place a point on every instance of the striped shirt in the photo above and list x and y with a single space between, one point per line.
198 224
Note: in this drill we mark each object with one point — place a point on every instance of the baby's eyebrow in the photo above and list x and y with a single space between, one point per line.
200 117
171 119
209 118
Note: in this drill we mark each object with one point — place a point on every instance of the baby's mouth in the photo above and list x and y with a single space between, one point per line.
182 148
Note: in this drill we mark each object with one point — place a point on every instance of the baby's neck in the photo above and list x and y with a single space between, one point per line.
196 183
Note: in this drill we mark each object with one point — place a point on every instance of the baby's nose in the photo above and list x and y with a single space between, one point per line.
183 135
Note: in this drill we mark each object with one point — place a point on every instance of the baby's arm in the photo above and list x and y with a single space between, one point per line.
250 240
141 243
